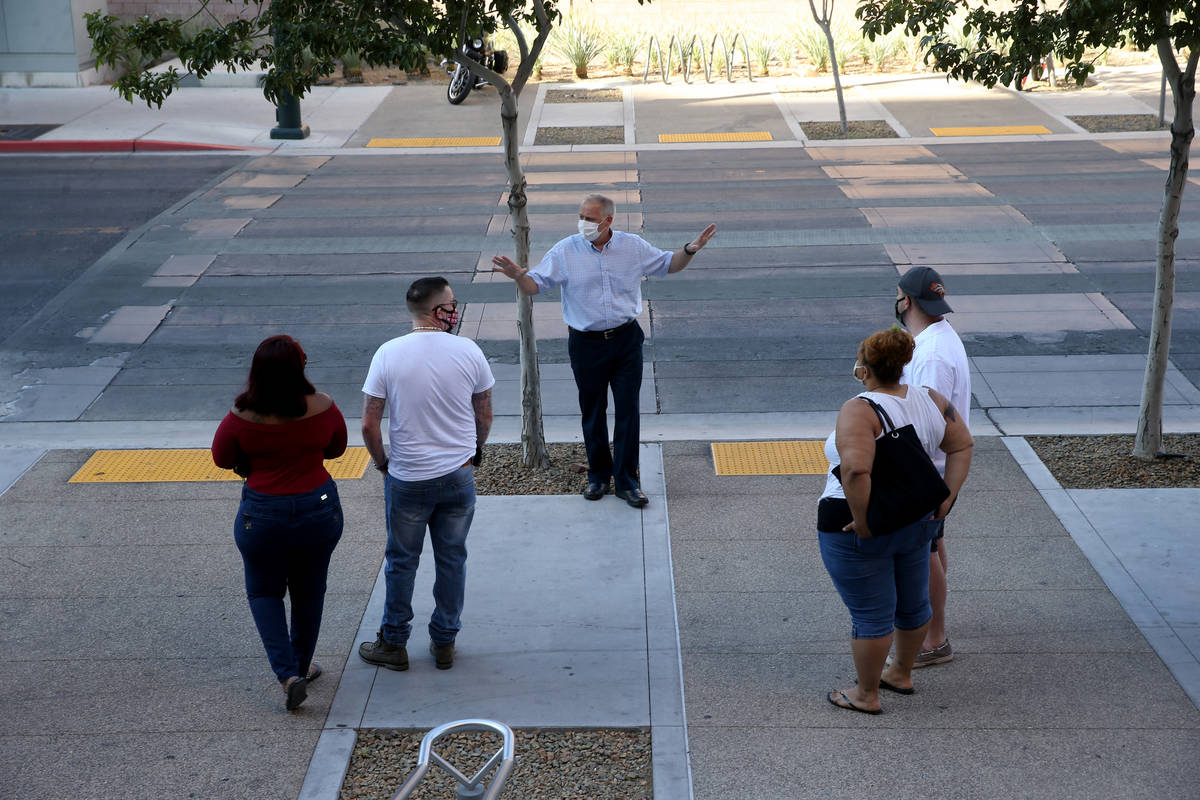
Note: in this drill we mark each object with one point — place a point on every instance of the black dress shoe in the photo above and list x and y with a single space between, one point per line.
635 497
595 491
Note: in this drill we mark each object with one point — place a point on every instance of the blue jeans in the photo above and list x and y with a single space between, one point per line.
884 581
286 542
445 506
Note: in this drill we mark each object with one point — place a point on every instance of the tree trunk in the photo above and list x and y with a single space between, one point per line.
533 441
824 21
827 27
1148 441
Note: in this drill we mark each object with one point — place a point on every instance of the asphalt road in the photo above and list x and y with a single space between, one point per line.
59 214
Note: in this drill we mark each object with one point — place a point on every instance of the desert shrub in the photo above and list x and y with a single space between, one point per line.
578 42
762 49
622 49
879 52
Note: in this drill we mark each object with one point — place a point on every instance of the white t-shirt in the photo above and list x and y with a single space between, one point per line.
917 407
940 362
427 379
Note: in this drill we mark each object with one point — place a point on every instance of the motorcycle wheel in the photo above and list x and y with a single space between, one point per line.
460 85
500 61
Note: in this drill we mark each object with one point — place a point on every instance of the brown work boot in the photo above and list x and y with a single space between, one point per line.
382 654
443 654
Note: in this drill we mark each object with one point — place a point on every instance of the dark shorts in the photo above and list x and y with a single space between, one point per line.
941 531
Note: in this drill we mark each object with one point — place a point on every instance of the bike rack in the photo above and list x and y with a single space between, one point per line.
468 787
696 44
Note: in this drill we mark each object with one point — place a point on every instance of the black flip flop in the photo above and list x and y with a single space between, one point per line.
849 706
885 685
314 671
297 693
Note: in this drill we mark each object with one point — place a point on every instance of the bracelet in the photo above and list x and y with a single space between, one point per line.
382 467
690 252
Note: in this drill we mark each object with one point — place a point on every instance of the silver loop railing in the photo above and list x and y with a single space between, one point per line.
687 57
468 787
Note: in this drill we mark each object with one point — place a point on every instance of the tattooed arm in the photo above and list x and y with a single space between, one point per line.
482 403
958 446
372 432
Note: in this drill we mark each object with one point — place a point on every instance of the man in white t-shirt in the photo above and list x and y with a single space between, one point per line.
438 388
940 362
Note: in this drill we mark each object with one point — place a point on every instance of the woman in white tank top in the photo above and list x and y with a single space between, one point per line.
884 580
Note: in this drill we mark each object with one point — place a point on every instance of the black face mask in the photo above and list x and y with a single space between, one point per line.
899 311
449 321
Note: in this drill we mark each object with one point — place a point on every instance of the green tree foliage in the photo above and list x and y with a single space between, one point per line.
312 36
1003 44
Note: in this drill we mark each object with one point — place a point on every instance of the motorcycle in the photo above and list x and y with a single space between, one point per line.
478 49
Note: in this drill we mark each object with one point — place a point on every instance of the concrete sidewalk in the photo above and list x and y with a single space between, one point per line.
915 107
129 641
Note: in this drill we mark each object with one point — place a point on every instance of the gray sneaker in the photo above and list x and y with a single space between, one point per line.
382 654
938 655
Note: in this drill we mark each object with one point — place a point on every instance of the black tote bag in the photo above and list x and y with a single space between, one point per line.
905 485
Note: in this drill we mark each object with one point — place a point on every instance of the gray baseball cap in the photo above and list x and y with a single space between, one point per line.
924 285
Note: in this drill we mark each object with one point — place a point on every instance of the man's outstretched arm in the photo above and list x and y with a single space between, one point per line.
512 270
683 256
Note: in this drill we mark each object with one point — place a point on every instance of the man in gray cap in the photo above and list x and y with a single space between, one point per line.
940 362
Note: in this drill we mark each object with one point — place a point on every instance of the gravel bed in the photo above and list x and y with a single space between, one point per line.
1104 462
502 473
551 764
583 134
583 95
1112 123
858 129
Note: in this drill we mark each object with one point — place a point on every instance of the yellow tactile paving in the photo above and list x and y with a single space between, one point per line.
991 130
744 136
769 458
187 466
437 141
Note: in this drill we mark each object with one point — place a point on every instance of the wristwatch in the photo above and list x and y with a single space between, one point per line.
382 467
690 252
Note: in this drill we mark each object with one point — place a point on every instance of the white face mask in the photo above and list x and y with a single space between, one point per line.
590 230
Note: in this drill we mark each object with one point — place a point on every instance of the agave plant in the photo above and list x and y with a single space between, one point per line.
352 67
578 42
810 40
622 49
879 52
763 47
958 33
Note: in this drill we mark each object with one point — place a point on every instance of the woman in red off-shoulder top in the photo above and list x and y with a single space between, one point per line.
277 437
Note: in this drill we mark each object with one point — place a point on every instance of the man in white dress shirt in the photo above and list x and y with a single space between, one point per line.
600 271
940 362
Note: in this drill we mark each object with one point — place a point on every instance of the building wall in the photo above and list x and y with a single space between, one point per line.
45 41
224 11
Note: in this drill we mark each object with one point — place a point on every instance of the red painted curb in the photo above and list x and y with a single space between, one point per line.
110 146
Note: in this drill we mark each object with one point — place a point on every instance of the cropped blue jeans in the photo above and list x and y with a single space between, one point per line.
445 506
286 542
884 581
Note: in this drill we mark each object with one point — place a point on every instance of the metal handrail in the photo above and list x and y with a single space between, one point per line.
468 787
664 68
654 47
745 55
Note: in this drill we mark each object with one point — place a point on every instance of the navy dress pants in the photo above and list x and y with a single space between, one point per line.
600 363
